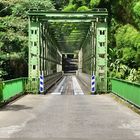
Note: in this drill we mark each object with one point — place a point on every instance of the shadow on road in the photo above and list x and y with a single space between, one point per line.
15 108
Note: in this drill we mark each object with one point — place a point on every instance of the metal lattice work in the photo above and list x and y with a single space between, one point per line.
101 56
44 56
94 54
87 55
54 33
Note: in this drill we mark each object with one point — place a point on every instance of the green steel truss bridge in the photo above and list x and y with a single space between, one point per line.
46 44
51 37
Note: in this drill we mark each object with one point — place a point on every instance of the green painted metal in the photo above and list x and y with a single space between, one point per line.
12 88
101 56
44 56
67 20
1 90
86 54
68 15
127 90
94 51
34 54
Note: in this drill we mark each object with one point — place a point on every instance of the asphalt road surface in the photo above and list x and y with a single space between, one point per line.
69 117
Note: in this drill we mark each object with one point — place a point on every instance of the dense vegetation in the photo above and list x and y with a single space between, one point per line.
13 35
125 39
124 34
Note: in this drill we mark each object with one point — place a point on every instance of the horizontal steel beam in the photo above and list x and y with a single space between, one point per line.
70 41
74 20
68 16
68 20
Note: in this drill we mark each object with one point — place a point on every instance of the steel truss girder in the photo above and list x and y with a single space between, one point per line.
67 20
98 42
39 56
101 38
69 16
76 20
34 52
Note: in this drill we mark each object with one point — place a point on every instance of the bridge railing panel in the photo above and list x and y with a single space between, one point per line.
85 79
52 79
127 90
11 88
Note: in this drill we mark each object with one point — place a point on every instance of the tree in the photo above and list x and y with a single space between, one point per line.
13 35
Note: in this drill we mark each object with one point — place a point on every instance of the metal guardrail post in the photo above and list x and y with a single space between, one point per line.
1 91
25 82
109 84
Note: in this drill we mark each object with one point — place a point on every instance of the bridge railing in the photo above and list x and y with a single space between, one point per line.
127 90
52 79
12 88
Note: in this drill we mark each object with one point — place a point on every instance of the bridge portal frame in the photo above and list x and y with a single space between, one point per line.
38 21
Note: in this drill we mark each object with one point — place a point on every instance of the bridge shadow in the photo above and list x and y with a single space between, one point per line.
15 108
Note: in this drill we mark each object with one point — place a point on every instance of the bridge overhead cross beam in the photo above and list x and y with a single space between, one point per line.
101 14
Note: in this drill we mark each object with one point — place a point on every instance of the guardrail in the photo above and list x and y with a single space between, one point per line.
127 90
50 80
85 79
12 88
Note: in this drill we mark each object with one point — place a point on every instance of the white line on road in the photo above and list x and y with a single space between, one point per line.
76 87
59 88
56 93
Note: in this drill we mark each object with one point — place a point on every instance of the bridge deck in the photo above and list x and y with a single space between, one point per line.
68 116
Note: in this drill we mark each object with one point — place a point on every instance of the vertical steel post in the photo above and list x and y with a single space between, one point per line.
101 56
92 48
46 50
93 84
43 52
34 51
80 60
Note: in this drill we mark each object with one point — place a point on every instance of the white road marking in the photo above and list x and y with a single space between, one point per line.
76 87
59 88
56 93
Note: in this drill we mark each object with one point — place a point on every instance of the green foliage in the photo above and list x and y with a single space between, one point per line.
136 14
134 75
137 9
21 9
94 3
83 8
128 42
70 7
13 35
127 53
